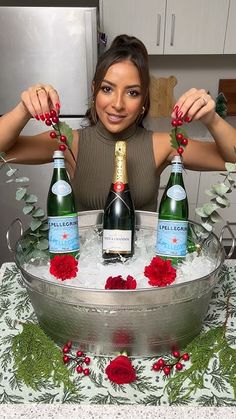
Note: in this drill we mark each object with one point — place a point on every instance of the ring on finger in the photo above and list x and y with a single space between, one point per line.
39 88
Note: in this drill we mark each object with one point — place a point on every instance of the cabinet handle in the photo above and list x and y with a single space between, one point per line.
158 29
172 34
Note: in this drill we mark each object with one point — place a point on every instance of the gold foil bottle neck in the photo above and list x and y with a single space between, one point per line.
120 149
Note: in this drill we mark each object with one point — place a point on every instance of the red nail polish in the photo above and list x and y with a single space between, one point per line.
37 117
42 117
47 115
58 105
187 119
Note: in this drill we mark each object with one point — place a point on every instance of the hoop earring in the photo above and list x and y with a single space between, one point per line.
143 110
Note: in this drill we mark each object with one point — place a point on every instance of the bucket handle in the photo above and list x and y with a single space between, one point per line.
227 227
17 220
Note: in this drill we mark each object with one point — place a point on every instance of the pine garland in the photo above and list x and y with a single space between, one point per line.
37 358
202 349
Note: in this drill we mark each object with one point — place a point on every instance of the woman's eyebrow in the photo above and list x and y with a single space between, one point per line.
127 87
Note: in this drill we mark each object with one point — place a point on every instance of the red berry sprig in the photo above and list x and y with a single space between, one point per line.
179 138
79 358
167 366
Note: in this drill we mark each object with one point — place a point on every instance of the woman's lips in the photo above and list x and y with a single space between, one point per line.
115 118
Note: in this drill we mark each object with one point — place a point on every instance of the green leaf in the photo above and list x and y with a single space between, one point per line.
215 217
209 208
39 212
11 172
223 201
31 199
27 209
20 193
37 358
220 188
44 227
230 167
199 211
66 130
35 224
22 179
207 226
42 245
209 192
173 141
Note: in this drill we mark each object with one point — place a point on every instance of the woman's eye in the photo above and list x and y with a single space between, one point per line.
106 89
133 93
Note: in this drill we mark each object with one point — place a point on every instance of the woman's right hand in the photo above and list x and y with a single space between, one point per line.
40 99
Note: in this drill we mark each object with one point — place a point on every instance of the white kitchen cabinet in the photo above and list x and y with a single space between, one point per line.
169 26
230 44
143 19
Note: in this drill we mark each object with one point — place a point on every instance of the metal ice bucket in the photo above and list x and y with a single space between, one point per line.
142 322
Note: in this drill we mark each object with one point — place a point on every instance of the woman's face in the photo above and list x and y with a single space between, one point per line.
119 100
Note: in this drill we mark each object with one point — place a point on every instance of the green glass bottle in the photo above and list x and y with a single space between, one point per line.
62 214
172 228
119 213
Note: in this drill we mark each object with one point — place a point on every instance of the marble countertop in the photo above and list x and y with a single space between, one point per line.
115 412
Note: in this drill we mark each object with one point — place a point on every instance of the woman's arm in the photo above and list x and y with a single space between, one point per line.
199 105
35 102
199 155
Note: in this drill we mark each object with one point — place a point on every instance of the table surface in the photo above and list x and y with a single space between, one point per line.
149 388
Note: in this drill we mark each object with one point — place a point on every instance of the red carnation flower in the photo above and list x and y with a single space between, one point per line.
64 267
119 283
160 272
120 370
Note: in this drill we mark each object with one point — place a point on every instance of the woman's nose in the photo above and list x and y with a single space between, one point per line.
118 102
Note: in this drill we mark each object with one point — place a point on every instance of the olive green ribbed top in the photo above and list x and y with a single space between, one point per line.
95 167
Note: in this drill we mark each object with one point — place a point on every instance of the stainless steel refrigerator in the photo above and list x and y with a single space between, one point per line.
56 45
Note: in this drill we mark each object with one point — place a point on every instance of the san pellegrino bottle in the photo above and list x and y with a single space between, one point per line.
119 213
62 214
172 226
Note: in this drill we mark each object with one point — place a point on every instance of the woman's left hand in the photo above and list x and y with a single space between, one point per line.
196 104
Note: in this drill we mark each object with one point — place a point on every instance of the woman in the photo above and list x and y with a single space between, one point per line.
120 102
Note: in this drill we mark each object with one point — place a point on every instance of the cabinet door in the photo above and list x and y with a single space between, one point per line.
143 19
230 44
195 26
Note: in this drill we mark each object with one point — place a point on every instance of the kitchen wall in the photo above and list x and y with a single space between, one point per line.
200 71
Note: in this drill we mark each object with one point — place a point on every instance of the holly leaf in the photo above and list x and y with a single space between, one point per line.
66 130
174 143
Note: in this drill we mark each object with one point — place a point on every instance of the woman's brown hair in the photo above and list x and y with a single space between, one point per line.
123 48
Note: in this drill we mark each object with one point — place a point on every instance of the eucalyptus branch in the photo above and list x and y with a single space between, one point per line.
218 192
36 240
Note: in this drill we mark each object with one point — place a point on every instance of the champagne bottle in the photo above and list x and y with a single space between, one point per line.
119 213
172 226
62 214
